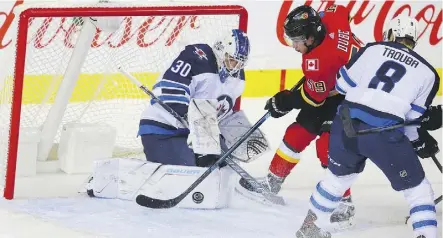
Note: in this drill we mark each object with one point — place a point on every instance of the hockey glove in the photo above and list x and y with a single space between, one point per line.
205 160
280 104
425 146
432 118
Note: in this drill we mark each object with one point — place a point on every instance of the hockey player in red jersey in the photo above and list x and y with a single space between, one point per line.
326 43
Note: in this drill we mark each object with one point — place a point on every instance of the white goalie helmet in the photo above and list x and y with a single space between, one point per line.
402 26
232 52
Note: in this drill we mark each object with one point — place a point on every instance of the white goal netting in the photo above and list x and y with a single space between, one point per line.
57 50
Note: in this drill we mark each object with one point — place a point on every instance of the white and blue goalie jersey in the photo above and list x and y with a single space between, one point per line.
193 74
387 83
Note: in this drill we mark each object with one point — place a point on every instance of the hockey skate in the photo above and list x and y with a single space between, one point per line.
343 215
88 187
271 182
310 230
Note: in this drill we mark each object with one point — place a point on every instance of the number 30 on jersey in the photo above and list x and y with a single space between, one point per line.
181 68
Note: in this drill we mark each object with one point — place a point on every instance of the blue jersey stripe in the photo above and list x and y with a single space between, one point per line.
346 77
168 84
418 108
173 98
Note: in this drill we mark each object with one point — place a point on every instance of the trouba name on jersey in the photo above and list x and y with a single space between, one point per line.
183 171
400 56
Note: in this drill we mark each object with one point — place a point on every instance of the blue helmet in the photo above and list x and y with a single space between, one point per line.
232 53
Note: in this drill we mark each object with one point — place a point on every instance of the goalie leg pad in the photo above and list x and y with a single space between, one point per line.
120 178
126 178
213 193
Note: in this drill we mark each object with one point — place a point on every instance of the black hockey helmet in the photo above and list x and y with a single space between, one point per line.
303 22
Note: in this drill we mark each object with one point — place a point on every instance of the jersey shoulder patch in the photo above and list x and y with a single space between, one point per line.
334 14
201 58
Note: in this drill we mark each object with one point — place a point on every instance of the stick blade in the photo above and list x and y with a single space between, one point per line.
149 202
345 116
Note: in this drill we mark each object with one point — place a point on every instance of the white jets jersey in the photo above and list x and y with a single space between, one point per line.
193 74
387 83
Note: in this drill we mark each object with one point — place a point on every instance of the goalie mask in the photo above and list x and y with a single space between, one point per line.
402 27
232 53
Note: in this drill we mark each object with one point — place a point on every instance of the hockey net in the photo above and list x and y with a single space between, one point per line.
62 69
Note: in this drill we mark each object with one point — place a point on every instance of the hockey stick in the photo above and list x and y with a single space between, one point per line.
299 83
438 164
438 200
245 175
345 116
153 97
159 203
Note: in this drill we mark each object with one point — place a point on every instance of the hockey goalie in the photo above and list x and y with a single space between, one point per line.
200 87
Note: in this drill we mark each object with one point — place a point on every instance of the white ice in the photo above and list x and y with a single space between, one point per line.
380 210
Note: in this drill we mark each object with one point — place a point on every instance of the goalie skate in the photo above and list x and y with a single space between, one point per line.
88 187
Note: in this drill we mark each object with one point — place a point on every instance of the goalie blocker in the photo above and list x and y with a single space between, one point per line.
126 178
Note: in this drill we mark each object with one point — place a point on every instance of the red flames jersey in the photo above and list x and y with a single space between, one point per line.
321 65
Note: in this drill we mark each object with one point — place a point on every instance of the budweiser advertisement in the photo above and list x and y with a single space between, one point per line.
269 50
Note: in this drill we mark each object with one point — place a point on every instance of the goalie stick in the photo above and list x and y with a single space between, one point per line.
168 203
350 131
226 157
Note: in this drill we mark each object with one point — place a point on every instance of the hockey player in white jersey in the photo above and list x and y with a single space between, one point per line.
385 83
200 71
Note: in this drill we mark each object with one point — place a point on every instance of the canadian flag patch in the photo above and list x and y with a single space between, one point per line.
312 64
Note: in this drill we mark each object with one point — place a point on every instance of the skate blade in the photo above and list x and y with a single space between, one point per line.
256 197
343 225
299 234
83 189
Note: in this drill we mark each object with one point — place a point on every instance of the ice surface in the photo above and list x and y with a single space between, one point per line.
380 210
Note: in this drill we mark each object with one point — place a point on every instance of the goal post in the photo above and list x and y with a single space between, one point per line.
63 69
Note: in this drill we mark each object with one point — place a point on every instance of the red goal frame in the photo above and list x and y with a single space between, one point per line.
19 69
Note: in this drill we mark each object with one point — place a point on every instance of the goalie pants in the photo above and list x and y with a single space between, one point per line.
167 149
391 151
